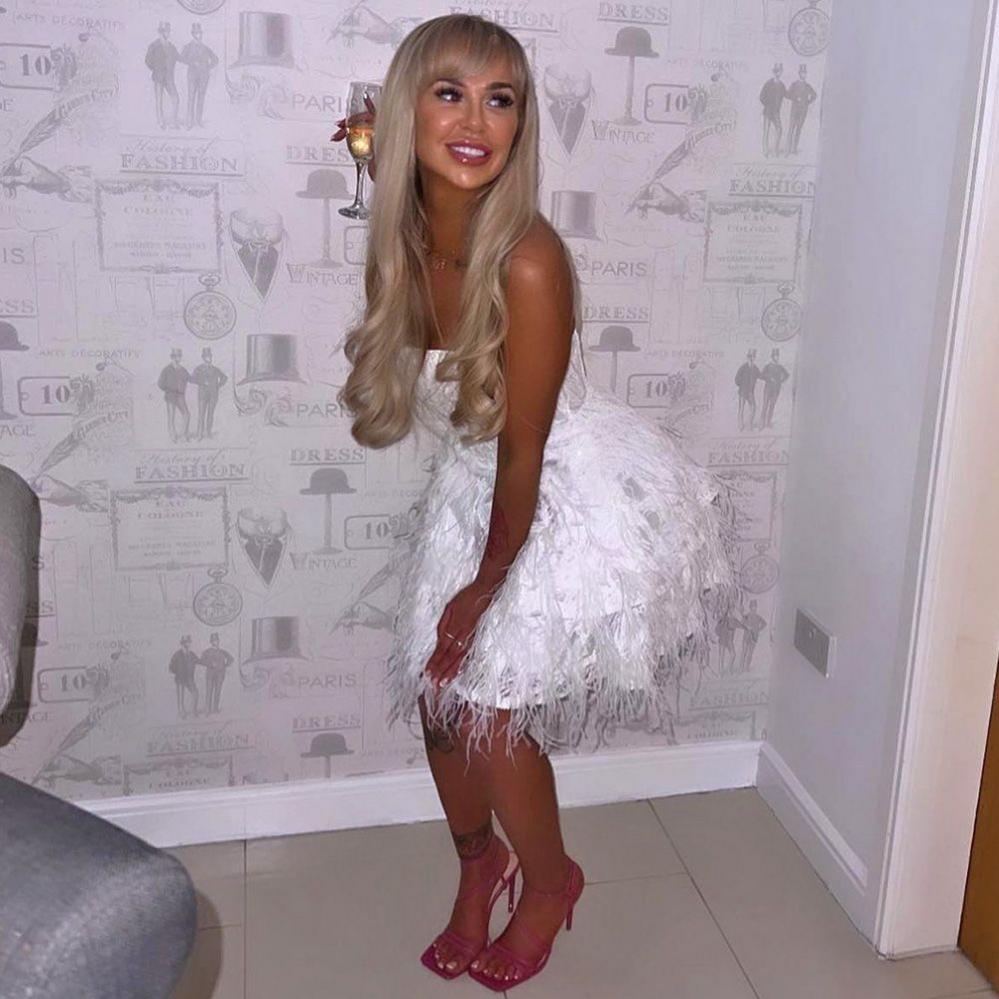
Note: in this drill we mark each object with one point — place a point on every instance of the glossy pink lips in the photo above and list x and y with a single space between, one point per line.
465 158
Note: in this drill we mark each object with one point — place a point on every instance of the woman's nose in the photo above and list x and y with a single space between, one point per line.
473 116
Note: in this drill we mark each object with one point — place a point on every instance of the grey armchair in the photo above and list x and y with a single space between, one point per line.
87 910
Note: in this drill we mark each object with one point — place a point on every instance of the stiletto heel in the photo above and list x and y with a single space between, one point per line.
497 881
513 883
526 968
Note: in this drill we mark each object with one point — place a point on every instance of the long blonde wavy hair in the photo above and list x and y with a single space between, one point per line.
397 318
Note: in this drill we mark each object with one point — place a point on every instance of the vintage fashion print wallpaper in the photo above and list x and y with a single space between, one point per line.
215 601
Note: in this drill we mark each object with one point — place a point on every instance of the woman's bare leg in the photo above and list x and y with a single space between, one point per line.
465 799
522 792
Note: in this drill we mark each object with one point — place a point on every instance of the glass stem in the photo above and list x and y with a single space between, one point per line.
359 192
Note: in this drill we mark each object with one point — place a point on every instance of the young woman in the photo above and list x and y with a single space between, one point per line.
566 553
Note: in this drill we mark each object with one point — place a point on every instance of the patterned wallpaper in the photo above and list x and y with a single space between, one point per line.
214 606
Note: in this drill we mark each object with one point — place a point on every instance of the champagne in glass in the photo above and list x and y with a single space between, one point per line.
360 123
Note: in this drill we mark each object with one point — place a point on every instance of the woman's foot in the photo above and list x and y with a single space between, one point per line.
469 916
538 916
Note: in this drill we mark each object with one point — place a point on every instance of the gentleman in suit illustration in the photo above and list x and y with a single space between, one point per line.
745 380
216 660
182 664
173 384
801 95
772 98
200 61
774 374
161 58
209 380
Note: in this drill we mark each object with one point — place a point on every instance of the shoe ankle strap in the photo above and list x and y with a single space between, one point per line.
565 891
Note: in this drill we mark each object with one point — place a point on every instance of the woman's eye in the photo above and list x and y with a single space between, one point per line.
505 100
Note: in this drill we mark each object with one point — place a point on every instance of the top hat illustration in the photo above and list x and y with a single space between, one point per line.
270 357
264 39
274 638
327 481
325 183
573 213
633 41
9 338
615 339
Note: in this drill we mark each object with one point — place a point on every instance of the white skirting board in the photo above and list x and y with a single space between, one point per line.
185 817
835 861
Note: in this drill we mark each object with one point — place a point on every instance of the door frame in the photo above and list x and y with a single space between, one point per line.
954 636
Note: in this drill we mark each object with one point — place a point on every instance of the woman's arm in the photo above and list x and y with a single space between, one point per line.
538 342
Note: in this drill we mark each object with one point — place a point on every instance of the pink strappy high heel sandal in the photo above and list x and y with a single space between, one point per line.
525 968
497 881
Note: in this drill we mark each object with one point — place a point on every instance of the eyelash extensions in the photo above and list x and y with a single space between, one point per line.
505 98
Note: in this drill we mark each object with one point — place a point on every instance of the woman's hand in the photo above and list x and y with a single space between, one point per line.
361 116
459 619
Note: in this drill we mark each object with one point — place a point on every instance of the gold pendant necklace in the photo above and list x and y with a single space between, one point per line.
439 261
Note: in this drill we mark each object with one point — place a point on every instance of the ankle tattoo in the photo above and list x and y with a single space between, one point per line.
475 843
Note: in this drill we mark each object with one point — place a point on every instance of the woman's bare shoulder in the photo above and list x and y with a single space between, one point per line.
539 251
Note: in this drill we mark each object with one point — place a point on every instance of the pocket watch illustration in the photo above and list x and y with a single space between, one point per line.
217 603
209 314
808 30
781 319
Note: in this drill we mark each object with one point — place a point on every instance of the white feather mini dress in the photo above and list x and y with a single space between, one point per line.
627 566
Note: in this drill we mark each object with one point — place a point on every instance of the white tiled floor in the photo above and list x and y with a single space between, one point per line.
699 896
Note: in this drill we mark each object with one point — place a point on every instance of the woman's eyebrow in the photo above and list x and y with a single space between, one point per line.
496 85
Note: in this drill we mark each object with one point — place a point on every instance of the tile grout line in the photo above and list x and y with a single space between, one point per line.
245 914
700 895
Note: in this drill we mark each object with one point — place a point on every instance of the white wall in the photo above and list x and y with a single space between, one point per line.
113 220
893 147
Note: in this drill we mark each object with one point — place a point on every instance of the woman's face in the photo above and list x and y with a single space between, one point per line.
478 113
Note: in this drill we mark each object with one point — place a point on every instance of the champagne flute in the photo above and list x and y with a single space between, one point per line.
360 127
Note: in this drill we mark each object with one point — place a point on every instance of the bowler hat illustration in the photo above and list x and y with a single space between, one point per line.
264 39
614 339
327 744
327 481
9 338
274 638
633 41
270 357
325 183
573 213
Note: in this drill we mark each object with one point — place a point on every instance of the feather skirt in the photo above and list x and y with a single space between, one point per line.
627 566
